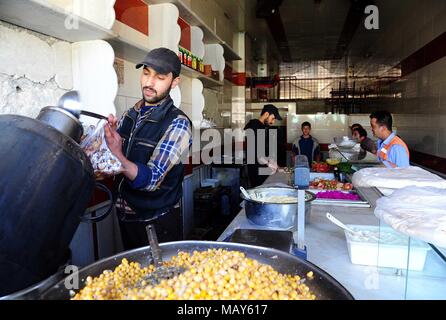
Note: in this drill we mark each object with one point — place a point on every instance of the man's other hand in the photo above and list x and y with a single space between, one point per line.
113 121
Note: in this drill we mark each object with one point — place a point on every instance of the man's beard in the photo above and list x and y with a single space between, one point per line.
157 98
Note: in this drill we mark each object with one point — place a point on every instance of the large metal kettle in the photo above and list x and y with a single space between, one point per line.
46 183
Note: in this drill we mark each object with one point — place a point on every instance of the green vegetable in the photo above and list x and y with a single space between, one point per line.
345 167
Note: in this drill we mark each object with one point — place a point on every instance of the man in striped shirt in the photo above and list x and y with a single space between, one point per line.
150 140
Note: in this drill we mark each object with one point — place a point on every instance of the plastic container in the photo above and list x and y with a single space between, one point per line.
385 248
301 172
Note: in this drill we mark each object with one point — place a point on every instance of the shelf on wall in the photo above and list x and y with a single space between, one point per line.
230 54
46 18
43 17
128 50
208 82
210 37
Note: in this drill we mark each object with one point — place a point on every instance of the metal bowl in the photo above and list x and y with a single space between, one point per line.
345 142
275 215
322 285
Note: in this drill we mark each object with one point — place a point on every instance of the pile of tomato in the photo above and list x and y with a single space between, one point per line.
321 167
322 184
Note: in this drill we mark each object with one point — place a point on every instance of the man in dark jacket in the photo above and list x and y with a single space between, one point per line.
149 141
307 145
259 128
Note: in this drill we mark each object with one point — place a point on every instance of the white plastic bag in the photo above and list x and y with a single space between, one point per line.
94 145
397 178
417 212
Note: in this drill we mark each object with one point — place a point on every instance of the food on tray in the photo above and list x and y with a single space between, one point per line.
338 195
278 199
322 184
321 167
212 275
333 162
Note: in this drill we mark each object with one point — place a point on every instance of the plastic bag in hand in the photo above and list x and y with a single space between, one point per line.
94 145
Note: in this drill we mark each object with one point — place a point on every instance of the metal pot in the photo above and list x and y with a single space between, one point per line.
63 121
323 285
275 215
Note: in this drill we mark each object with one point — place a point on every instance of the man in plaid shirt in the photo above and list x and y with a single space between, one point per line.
150 140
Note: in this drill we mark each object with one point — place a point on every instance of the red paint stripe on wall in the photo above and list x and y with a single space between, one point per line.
185 40
429 161
237 78
433 51
134 13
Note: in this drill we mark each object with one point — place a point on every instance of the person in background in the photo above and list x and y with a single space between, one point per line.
268 116
392 150
367 144
307 145
355 126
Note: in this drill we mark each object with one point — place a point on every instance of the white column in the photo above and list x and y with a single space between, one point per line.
164 30
94 76
239 92
214 56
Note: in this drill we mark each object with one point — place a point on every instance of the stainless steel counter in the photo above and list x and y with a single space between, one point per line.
327 247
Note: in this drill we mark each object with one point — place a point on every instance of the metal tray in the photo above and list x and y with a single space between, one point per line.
363 203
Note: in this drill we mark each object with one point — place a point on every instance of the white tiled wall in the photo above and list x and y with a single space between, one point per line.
420 116
129 92
324 127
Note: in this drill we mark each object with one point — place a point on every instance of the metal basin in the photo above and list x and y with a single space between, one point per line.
322 285
275 215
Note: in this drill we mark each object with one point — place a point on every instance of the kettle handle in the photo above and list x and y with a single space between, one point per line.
93 219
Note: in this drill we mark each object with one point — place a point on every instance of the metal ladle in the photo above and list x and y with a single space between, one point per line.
161 272
257 195
71 102
245 193
339 223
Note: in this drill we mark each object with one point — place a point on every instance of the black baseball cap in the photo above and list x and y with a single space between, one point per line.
272 109
163 61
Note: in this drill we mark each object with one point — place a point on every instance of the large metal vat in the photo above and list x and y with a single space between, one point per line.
323 285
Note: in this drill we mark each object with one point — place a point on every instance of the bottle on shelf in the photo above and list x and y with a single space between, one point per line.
201 65
185 57
194 62
180 54
189 59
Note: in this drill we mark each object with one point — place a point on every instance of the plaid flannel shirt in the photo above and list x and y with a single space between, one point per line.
168 152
